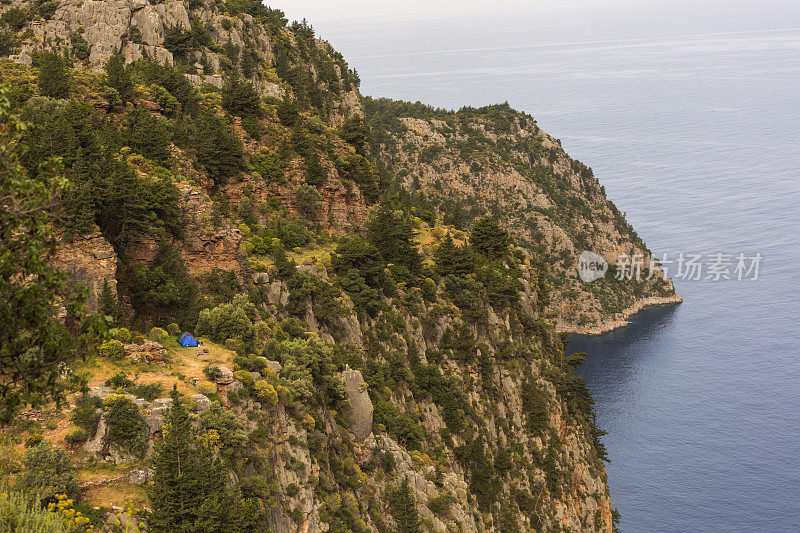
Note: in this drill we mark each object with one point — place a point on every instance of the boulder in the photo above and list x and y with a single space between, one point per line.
140 476
202 403
226 376
359 414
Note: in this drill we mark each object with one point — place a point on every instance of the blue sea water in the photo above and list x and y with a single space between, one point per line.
689 114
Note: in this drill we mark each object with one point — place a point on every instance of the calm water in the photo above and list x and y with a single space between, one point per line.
689 115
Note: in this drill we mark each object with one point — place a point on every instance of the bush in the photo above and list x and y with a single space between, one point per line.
240 98
489 239
206 388
76 436
112 349
86 414
158 334
123 335
33 441
15 18
126 427
308 200
138 339
118 77
270 166
245 377
119 381
233 320
47 471
149 391
265 392
173 329
219 149
288 113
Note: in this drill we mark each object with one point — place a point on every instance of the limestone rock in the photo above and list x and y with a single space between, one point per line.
91 261
202 403
359 414
150 352
140 476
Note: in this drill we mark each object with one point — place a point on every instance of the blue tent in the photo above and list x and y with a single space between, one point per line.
187 340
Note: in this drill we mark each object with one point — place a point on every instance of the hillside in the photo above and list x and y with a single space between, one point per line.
381 287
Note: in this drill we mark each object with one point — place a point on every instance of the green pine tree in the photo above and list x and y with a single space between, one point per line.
53 80
404 509
119 77
188 493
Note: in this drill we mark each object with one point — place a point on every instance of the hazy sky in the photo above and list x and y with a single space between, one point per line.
326 10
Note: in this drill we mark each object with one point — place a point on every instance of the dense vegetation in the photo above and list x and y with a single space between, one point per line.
442 300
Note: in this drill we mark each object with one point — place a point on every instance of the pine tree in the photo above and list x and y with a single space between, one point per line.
392 233
53 80
489 239
404 509
119 77
77 199
188 493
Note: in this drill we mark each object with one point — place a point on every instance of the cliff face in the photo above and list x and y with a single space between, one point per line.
498 160
457 384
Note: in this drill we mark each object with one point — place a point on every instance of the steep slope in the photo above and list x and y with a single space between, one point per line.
494 159
392 358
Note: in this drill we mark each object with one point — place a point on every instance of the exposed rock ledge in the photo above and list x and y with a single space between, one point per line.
621 319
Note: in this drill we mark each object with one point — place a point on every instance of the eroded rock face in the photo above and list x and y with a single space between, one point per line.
92 262
150 352
359 415
204 246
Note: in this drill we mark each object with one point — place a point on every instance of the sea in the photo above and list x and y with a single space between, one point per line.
689 115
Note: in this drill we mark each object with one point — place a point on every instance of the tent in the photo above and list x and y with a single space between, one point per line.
187 340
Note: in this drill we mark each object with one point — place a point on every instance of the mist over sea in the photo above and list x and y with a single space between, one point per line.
689 114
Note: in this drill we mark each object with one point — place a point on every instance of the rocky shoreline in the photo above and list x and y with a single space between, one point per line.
621 319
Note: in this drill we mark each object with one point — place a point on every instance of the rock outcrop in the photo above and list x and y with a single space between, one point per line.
359 415
91 262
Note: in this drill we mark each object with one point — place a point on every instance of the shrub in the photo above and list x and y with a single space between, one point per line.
206 388
86 414
270 166
233 320
308 200
158 334
33 441
149 391
15 18
292 490
47 471
173 329
76 436
126 427
245 377
164 98
489 239
112 349
119 381
138 339
219 149
240 98
288 113
118 77
123 335
265 392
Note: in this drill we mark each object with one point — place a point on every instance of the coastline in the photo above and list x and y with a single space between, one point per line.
621 319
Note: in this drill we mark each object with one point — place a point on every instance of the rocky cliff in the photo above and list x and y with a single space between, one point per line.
358 359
